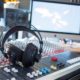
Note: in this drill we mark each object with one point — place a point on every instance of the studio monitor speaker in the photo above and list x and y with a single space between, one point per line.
16 17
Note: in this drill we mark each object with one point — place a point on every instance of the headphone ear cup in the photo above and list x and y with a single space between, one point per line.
14 54
29 54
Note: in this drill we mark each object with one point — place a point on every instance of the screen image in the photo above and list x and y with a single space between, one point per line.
56 17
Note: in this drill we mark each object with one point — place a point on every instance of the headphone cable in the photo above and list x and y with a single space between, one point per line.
37 31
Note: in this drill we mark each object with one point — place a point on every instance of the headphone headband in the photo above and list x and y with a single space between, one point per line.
21 28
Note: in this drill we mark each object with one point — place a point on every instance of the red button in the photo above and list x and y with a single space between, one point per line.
54 59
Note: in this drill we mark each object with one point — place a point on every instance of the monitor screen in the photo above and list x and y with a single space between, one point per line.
1 8
56 17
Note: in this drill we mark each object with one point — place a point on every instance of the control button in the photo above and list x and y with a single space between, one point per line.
35 74
60 65
53 67
39 72
43 71
13 78
14 70
30 75
6 69
47 70
54 59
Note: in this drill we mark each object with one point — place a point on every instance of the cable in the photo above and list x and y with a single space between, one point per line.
40 37
37 31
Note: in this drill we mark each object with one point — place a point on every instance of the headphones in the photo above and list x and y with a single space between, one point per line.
30 55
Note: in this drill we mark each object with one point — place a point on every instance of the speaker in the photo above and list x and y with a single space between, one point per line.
15 17
21 18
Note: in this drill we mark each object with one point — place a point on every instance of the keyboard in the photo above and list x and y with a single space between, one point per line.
74 60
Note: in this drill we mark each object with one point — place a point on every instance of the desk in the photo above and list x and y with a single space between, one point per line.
75 47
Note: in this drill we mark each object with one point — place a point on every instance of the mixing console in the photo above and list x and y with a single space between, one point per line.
53 67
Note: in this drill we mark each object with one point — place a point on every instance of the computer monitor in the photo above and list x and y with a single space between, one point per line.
50 16
1 9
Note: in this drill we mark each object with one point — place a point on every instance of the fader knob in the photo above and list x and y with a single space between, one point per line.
34 73
14 70
6 69
39 72
13 78
30 75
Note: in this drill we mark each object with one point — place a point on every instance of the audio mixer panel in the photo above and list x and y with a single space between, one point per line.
56 67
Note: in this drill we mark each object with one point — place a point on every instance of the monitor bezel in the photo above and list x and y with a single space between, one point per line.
58 2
